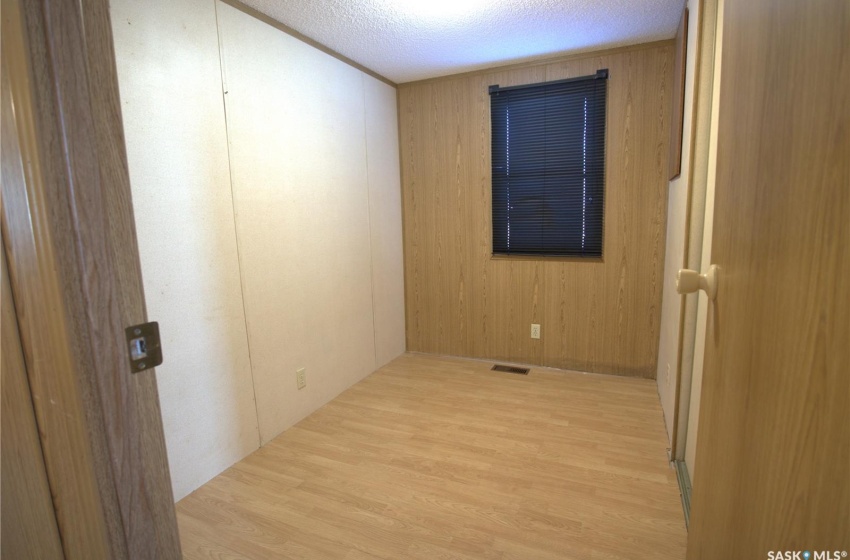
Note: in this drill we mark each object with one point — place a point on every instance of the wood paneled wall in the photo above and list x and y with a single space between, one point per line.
600 316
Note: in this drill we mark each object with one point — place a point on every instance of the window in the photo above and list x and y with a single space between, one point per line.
548 147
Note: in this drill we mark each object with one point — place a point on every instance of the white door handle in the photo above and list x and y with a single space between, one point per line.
689 281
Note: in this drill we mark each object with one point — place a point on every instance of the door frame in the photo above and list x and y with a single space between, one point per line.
69 235
704 78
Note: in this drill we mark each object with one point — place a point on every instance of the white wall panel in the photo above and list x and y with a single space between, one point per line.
170 82
314 209
296 126
385 217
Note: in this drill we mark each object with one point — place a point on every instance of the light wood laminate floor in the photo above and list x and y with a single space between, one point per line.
440 458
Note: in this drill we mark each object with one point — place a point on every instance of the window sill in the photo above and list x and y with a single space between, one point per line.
547 258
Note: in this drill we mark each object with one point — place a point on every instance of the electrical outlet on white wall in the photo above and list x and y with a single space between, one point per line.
535 330
301 377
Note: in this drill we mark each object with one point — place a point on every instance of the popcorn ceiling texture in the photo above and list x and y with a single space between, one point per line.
402 41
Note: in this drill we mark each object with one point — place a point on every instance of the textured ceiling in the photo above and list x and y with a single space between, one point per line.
407 40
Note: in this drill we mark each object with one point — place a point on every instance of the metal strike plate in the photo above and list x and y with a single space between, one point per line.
143 346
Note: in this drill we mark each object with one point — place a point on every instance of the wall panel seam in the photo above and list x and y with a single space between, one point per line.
369 215
235 226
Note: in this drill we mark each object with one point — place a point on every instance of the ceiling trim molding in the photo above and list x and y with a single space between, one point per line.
303 38
543 61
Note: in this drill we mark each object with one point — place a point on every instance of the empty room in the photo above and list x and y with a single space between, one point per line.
425 279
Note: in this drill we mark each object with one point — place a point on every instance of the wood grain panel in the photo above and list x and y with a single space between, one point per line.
70 238
107 231
442 458
41 315
773 450
599 315
28 527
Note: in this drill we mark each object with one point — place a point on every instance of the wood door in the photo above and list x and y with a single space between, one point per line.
73 262
27 520
773 455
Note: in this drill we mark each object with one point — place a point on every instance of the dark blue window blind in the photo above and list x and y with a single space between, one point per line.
548 158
